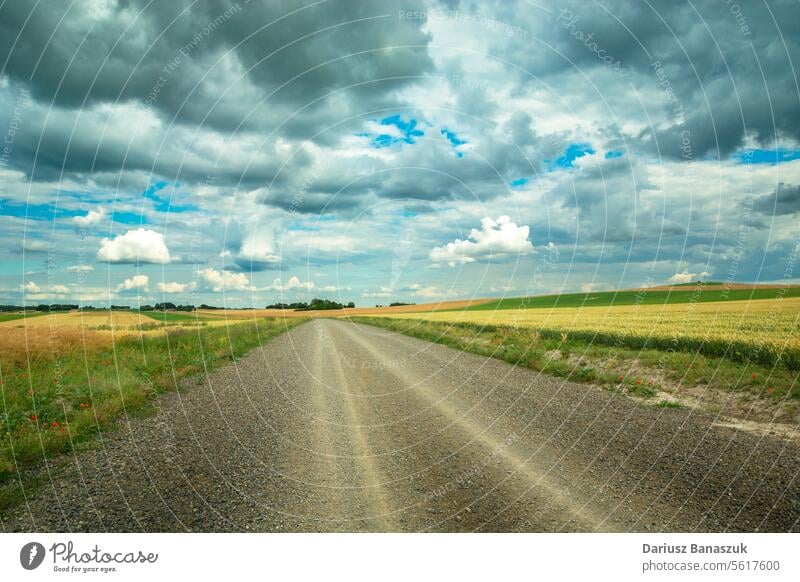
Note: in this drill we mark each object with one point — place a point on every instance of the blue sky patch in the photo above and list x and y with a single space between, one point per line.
454 140
49 212
572 153
613 154
761 156
129 217
518 183
165 204
36 211
408 129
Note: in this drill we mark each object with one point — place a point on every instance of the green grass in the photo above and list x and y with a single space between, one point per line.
670 404
638 372
606 298
13 316
173 316
61 400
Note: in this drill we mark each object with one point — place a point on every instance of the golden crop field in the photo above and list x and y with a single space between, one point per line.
764 330
75 330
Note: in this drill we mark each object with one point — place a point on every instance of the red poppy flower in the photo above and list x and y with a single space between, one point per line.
639 381
33 417
55 423
754 376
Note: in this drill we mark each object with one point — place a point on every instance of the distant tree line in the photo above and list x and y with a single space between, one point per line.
42 307
166 306
59 307
313 305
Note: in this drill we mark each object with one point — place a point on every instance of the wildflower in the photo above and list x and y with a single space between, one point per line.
753 376
33 417
639 381
55 424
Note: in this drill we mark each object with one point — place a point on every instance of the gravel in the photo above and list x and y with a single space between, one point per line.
335 426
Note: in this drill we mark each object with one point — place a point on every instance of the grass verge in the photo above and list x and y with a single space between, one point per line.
762 392
51 401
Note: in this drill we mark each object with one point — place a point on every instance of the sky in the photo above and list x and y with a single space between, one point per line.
242 153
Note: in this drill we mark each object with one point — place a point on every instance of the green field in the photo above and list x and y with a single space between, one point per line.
173 316
13 316
643 297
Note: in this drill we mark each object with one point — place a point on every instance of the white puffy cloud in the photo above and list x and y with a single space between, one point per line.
292 284
135 283
34 291
91 218
225 280
174 287
258 248
34 246
80 269
687 277
135 246
496 238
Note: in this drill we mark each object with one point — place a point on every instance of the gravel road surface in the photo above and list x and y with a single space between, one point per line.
336 426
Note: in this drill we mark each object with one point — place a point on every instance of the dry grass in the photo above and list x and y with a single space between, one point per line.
57 333
17 345
77 319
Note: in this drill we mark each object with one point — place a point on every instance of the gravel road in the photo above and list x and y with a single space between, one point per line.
336 426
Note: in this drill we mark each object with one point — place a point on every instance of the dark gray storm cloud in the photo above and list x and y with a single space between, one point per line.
725 70
288 70
276 68
292 54
784 200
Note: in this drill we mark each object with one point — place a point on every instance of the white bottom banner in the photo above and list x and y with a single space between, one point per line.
401 556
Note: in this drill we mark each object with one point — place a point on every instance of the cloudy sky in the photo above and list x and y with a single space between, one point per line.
241 153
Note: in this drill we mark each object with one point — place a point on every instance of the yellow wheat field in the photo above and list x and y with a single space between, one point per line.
769 325
75 330
101 320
